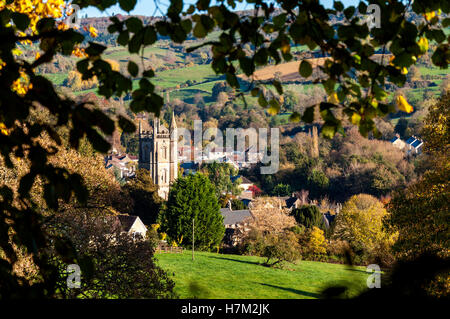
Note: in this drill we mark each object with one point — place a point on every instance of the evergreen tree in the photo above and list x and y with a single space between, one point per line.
193 197
308 216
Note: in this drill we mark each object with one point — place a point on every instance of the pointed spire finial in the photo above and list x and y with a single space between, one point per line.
173 123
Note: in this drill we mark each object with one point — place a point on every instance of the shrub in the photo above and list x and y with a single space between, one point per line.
281 248
277 248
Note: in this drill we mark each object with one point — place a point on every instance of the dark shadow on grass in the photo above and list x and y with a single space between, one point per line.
358 270
295 291
237 260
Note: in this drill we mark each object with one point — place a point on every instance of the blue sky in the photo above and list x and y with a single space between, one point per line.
147 8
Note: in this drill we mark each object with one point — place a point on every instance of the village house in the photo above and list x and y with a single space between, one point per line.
126 164
132 225
236 223
245 182
412 145
246 197
398 142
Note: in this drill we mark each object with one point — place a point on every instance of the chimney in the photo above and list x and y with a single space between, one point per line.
229 205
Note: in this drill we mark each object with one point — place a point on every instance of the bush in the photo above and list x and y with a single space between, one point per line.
281 248
277 248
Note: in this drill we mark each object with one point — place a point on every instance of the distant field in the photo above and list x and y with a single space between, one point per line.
433 71
56 78
172 78
288 71
231 276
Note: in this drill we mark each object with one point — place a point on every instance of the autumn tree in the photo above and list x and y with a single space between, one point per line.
420 213
314 244
115 264
360 222
144 194
269 216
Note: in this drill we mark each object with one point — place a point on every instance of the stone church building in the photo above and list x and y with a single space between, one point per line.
158 153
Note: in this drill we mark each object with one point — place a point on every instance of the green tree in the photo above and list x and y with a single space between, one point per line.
121 267
317 183
144 193
193 198
291 101
130 142
237 204
308 216
220 176
282 190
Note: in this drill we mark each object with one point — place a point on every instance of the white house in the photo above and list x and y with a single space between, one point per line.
414 145
133 225
398 142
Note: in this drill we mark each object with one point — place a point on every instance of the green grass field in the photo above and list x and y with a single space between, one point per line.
218 276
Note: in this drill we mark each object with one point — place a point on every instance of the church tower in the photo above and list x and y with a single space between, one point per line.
158 153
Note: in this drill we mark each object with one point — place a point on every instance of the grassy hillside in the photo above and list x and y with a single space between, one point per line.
231 276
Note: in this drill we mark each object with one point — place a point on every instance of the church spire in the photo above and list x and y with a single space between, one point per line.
173 123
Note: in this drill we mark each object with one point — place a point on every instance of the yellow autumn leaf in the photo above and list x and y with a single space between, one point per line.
374 102
285 47
16 51
333 98
403 105
391 59
79 52
355 119
93 32
404 70
423 44
36 10
3 129
429 15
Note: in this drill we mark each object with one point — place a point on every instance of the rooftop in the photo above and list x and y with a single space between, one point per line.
231 217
